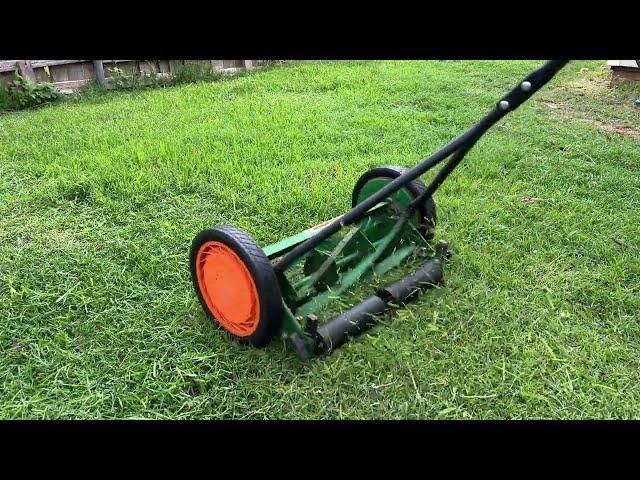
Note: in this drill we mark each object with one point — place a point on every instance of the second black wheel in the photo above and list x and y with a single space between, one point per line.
376 178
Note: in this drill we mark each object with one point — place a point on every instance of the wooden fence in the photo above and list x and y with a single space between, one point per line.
69 75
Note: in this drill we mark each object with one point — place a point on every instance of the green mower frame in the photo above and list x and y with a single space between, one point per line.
256 294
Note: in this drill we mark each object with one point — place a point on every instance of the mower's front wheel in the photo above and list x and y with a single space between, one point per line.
236 284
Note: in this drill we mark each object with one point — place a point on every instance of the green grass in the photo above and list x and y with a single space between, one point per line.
100 199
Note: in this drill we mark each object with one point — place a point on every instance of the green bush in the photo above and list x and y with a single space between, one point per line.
123 81
23 93
192 71
5 100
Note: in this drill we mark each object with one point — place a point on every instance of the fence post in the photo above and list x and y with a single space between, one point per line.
26 70
98 68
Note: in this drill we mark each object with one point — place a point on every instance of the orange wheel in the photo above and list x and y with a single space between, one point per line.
236 284
227 288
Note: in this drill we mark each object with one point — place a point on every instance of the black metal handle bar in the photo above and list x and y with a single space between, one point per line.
458 147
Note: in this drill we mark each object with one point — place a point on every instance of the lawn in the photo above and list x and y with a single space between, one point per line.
539 317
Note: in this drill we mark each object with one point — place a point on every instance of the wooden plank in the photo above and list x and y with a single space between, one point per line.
71 85
6 77
164 67
41 75
128 67
146 67
88 70
75 72
7 65
59 73
174 65
49 63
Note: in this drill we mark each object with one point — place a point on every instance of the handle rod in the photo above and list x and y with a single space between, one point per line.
461 145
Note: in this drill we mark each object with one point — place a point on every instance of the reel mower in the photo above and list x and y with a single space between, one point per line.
258 293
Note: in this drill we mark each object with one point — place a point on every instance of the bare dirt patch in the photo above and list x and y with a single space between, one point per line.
604 126
615 128
590 85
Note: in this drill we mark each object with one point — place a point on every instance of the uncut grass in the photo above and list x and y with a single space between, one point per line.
99 202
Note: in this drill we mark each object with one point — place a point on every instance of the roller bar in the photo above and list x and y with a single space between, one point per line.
362 317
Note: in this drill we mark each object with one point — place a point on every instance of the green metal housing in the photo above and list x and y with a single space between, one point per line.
379 242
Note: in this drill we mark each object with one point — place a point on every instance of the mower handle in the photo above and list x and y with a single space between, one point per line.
531 84
457 149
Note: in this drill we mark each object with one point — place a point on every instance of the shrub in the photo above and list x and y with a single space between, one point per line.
192 71
23 93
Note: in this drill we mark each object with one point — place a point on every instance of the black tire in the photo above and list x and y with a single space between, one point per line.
262 273
416 188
